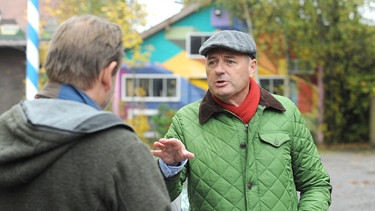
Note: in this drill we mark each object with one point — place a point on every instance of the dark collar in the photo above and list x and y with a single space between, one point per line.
208 106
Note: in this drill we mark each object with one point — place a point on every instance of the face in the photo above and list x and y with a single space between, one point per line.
228 75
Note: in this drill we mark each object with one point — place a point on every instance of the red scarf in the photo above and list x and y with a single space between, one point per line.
248 108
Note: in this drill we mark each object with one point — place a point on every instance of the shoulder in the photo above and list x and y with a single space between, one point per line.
191 108
290 109
286 102
68 115
118 135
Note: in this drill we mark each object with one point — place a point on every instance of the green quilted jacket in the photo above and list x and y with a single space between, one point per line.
261 165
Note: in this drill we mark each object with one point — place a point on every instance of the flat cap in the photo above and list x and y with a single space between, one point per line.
230 39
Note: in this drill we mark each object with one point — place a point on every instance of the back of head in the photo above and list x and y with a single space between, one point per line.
80 48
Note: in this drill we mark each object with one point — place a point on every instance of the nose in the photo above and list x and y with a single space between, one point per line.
220 69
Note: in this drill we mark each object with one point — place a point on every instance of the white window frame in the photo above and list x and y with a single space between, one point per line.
175 98
9 29
133 112
188 43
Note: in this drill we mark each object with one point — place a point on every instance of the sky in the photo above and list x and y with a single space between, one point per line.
159 10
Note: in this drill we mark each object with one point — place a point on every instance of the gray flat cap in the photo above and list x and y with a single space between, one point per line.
230 39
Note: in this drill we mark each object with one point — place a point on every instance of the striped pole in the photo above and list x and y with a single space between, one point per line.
32 52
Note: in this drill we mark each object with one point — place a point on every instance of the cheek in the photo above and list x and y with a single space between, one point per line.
209 73
242 80
244 73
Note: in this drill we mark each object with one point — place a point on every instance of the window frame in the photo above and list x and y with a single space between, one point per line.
164 77
189 42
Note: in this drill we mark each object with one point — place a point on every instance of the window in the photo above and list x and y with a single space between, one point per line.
150 87
298 66
274 84
194 41
9 29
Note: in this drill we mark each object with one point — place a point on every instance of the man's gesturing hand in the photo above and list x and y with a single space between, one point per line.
171 151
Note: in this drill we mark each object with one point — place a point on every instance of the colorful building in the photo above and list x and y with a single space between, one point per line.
175 74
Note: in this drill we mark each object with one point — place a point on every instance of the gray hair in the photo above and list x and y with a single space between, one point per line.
80 48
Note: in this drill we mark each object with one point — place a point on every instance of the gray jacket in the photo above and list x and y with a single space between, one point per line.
64 155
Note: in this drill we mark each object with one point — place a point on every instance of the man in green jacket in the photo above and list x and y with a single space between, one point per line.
62 151
240 147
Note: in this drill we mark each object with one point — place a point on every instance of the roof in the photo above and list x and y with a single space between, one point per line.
187 10
8 21
17 40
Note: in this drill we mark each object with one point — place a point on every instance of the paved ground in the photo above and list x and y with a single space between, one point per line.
353 179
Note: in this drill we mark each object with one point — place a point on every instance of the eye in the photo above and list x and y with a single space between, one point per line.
211 63
230 61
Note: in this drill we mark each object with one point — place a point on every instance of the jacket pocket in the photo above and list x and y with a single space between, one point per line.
275 139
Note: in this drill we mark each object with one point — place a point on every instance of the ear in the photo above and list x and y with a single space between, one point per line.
252 67
106 76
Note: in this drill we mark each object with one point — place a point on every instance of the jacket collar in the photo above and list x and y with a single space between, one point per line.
208 106
66 92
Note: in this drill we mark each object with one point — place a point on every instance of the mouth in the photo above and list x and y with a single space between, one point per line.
221 83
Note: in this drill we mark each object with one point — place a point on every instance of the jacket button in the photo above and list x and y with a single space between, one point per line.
249 186
243 145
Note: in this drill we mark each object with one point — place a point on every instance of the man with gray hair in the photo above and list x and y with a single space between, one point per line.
240 147
61 151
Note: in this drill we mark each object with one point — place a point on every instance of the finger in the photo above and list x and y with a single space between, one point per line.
188 155
170 141
157 153
162 140
159 145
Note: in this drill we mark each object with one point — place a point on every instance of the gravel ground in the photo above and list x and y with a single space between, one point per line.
353 179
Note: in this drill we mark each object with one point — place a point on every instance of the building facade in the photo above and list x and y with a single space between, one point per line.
175 74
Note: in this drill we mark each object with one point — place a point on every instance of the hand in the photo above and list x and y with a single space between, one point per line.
171 151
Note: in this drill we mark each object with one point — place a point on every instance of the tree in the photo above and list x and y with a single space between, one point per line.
334 37
127 13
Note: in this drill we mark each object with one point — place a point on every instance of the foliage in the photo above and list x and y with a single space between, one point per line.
140 125
331 34
128 14
163 119
43 47
137 56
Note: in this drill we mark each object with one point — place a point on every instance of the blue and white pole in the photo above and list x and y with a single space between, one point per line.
32 52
